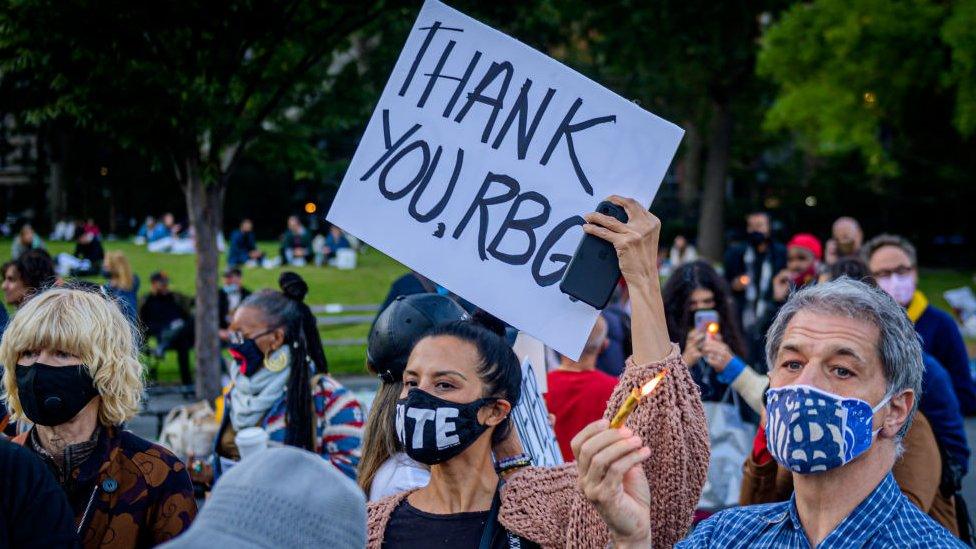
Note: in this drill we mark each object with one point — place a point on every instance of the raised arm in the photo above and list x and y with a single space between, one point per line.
554 507
636 243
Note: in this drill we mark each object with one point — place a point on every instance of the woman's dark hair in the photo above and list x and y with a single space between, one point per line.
295 288
34 267
677 294
281 311
499 368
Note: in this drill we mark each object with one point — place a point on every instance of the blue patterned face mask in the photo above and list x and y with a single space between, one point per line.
810 431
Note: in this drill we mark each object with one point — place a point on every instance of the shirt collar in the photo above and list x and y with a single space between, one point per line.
917 306
869 515
72 456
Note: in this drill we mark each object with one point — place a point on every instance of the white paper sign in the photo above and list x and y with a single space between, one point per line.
531 418
478 161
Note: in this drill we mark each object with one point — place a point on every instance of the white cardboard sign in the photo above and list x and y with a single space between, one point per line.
478 162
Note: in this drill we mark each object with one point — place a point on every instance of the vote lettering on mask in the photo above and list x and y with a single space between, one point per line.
432 430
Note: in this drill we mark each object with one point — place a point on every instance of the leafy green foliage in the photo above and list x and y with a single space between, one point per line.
187 79
851 73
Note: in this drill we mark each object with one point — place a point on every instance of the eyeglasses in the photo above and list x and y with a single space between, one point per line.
901 270
237 338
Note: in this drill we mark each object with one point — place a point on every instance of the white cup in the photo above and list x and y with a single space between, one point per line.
251 441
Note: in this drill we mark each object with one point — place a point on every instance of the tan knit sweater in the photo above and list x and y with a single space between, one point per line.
546 506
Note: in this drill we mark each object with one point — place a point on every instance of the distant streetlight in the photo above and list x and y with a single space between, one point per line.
310 207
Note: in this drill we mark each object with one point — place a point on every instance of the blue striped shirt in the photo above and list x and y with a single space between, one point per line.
884 519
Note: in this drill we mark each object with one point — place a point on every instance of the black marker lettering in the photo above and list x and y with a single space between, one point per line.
442 203
386 141
438 73
547 245
421 173
496 103
481 203
420 54
521 109
567 128
526 225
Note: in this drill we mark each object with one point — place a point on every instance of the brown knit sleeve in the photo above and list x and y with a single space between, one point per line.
536 502
378 515
546 505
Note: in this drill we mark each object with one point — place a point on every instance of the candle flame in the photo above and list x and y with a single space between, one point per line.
712 328
652 384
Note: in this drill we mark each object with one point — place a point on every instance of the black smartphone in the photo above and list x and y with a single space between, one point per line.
593 272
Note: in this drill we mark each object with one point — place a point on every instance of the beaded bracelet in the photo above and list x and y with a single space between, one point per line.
514 462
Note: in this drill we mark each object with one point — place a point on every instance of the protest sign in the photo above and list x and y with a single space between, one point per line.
479 160
531 418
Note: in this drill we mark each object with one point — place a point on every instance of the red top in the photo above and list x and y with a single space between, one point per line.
577 399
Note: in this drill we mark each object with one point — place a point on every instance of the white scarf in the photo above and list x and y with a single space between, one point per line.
253 396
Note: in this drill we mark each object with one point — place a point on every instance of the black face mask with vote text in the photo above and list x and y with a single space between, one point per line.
433 430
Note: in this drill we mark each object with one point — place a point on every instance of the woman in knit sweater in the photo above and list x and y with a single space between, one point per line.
545 506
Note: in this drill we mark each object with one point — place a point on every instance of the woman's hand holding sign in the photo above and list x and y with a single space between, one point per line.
636 243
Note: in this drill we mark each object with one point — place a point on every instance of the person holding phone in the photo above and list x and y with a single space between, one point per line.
696 290
470 375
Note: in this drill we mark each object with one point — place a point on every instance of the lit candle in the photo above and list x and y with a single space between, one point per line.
634 398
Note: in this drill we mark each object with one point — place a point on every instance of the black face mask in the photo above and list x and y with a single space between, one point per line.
756 238
53 395
433 430
248 356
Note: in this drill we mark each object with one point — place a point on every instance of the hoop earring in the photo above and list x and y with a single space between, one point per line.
278 360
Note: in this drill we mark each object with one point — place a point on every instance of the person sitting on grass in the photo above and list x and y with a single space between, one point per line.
25 240
296 243
243 248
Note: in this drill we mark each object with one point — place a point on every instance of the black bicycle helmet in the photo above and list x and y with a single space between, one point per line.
401 324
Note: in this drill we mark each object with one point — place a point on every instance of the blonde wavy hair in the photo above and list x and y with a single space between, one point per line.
88 325
121 270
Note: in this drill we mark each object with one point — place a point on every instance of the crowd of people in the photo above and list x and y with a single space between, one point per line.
811 395
298 246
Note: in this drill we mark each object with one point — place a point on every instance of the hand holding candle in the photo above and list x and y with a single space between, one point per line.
634 398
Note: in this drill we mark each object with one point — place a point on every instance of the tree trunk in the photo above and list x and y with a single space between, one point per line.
205 206
689 184
56 192
710 222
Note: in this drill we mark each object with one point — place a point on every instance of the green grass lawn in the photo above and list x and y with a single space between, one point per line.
367 284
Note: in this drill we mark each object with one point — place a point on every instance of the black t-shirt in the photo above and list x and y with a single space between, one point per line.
34 510
411 528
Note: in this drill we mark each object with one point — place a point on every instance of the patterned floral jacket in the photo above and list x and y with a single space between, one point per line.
338 418
129 493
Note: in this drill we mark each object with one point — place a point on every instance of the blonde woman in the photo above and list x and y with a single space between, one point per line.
123 284
73 370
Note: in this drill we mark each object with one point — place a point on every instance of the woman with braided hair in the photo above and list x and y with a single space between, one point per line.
281 382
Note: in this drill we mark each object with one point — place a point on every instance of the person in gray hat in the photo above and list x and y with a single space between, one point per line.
278 498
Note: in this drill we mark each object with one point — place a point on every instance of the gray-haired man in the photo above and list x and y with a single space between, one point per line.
845 373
